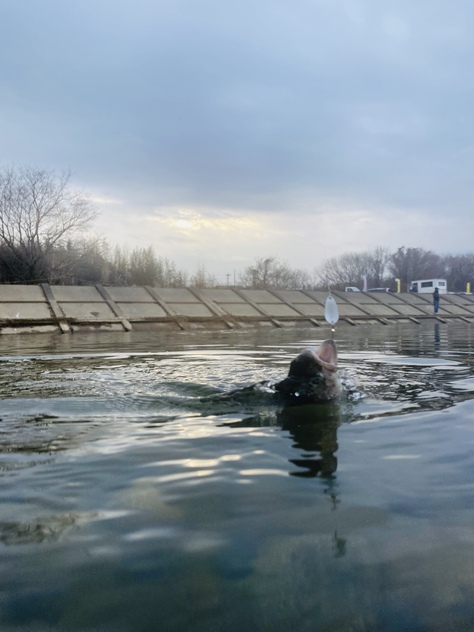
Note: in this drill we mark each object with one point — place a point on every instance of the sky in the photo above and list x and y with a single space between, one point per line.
222 131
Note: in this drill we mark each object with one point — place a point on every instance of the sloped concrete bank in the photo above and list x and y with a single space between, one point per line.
47 309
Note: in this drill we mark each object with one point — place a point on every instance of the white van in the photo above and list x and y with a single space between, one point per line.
427 286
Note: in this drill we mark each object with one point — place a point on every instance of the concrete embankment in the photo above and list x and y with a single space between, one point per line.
57 308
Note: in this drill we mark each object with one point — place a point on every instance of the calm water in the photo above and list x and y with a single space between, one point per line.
139 492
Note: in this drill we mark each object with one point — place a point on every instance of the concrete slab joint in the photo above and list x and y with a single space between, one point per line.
56 309
114 307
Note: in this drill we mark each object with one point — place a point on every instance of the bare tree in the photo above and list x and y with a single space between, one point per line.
415 263
377 266
143 267
39 216
79 262
202 278
271 272
171 276
459 270
350 268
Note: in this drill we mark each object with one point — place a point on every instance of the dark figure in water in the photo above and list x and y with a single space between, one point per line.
312 376
436 300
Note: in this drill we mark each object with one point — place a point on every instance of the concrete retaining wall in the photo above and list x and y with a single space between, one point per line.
45 308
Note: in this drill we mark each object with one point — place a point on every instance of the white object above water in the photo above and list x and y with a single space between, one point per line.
331 313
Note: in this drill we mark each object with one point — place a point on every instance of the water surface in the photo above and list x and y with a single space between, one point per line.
150 482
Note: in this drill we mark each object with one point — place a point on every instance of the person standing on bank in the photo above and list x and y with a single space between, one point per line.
436 300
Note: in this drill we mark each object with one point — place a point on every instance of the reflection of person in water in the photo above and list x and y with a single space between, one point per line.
314 430
436 300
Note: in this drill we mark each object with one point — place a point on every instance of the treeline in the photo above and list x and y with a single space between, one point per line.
95 261
382 267
140 266
44 238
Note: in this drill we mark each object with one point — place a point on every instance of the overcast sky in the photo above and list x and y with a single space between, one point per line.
219 131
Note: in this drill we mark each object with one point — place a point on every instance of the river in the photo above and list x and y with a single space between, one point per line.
150 482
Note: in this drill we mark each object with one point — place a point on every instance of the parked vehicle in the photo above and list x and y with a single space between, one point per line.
351 288
427 286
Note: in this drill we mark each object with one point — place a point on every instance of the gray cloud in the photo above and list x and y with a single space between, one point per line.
244 104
